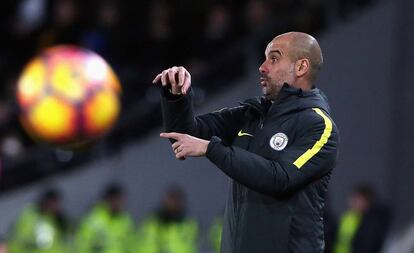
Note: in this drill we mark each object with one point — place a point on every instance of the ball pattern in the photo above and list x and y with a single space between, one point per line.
68 95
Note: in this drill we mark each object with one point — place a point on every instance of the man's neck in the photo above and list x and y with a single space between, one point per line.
302 84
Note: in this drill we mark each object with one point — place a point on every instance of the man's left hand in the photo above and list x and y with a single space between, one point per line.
186 145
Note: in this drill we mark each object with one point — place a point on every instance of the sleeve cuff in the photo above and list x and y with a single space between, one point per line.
169 96
212 148
174 103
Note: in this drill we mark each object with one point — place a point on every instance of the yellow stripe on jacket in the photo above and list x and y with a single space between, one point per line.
305 157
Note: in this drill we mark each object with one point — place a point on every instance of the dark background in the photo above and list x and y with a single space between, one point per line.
367 46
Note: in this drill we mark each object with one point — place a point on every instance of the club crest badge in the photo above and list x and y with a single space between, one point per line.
278 141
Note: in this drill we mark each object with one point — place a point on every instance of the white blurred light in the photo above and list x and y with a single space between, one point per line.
11 146
95 69
44 235
32 13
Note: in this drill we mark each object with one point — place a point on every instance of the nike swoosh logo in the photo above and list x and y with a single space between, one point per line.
240 134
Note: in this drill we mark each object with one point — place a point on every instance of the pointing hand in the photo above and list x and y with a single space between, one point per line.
186 145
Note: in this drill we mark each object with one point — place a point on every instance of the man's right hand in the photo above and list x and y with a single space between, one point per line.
168 77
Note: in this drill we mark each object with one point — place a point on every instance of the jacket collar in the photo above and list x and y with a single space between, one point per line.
288 91
288 99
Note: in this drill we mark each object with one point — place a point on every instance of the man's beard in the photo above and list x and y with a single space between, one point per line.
272 90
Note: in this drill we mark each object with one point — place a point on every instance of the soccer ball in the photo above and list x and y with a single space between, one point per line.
68 96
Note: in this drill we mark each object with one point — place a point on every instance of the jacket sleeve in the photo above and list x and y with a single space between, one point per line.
178 116
311 156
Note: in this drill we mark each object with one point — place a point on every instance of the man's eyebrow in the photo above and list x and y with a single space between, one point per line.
277 51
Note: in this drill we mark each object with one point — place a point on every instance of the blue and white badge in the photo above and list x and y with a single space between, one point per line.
278 141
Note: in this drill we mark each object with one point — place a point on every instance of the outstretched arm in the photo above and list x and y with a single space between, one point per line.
312 156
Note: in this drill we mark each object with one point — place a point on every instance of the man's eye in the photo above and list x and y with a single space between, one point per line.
273 59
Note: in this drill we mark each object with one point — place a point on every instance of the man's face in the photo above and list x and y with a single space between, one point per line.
358 202
52 206
173 204
277 68
116 203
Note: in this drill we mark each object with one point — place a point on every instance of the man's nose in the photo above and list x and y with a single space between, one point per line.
263 68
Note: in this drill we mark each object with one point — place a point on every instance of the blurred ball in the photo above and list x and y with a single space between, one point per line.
68 96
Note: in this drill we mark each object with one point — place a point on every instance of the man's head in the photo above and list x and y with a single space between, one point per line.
114 198
294 58
174 201
361 198
50 202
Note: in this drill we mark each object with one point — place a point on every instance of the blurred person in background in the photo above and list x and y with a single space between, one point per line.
218 36
279 150
41 228
104 34
63 25
258 18
3 245
21 21
257 15
215 232
108 228
364 226
169 229
159 41
154 39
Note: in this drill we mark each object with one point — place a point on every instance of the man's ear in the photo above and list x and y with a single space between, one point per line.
302 67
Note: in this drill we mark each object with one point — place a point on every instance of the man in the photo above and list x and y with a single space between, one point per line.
169 229
364 226
41 228
108 228
279 150
3 245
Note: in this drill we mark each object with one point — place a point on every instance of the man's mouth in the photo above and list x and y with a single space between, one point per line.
263 81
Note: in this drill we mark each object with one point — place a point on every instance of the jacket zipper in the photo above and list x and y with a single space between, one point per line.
239 189
261 122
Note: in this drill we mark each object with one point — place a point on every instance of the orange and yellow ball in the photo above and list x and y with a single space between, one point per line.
68 96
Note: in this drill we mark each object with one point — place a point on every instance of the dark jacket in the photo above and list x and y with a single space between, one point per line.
279 155
372 230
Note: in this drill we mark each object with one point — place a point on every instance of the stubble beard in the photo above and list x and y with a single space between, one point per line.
276 85
272 91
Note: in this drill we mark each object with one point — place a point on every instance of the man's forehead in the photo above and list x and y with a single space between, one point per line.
276 45
269 47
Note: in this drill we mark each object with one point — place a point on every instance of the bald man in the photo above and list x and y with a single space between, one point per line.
279 150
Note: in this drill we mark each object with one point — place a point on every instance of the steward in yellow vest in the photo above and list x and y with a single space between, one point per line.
41 228
168 230
107 228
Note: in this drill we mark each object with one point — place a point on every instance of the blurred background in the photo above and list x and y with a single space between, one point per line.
129 189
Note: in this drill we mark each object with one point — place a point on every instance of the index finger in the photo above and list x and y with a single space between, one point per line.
157 78
172 135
